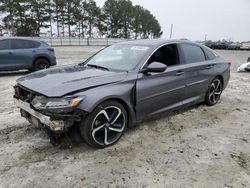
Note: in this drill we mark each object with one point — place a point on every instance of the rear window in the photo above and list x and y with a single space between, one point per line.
34 44
45 43
193 53
24 44
4 44
210 54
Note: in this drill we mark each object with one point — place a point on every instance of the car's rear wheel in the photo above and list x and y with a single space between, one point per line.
105 125
214 92
40 64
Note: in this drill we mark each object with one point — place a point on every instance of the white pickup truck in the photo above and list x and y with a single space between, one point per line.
245 66
245 46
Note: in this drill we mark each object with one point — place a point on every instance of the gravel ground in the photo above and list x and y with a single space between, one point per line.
199 147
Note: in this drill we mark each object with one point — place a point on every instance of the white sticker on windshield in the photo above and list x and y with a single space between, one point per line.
141 48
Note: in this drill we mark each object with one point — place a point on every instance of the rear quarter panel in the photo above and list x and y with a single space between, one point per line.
222 69
45 53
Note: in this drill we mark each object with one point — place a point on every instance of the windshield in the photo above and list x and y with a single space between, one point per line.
119 57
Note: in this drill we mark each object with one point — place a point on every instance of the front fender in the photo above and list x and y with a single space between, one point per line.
119 91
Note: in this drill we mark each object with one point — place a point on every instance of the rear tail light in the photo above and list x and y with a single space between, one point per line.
229 63
51 49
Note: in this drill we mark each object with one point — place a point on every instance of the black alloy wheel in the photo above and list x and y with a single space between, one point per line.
40 64
214 92
105 125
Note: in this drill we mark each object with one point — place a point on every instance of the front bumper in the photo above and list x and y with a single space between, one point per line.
38 119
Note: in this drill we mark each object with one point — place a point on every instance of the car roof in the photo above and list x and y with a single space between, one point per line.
155 42
22 38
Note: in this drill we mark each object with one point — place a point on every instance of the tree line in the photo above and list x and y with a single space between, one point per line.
116 19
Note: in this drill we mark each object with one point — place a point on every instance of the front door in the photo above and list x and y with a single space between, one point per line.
158 92
6 56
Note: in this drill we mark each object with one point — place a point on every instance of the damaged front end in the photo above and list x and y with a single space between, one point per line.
54 115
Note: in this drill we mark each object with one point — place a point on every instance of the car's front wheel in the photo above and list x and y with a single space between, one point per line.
214 92
105 125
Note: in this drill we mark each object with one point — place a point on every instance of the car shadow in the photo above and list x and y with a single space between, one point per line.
164 115
74 141
71 147
14 73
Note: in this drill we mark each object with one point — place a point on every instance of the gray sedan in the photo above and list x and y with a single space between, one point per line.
22 53
120 86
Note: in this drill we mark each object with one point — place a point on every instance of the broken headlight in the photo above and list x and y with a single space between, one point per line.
57 105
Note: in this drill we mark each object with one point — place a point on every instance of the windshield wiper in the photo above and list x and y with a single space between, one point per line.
98 67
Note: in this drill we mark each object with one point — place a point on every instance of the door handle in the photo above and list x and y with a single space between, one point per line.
209 66
10 53
179 73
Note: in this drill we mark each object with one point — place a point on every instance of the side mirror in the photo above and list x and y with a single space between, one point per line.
155 67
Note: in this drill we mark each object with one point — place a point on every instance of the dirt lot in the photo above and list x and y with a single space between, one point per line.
199 147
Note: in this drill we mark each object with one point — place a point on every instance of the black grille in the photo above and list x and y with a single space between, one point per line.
23 94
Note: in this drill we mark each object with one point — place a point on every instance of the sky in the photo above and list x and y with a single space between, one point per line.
195 19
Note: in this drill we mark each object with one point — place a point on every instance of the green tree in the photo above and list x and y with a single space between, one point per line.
111 17
40 11
92 15
55 5
137 20
59 15
26 17
122 19
117 18
69 13
126 14
10 7
17 20
78 16
150 27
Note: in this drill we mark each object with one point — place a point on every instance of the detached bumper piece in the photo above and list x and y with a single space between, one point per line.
40 120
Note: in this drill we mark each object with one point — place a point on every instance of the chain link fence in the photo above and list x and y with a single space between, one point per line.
77 41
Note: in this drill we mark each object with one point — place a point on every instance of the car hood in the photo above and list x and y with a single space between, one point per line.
57 82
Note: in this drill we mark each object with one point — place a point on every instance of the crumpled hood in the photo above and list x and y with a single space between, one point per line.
56 82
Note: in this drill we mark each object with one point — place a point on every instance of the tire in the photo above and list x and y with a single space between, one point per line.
247 69
105 125
40 64
214 92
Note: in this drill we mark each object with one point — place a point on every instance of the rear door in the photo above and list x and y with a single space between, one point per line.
24 51
158 92
198 71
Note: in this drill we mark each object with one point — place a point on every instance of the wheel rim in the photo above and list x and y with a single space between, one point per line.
41 65
215 91
108 125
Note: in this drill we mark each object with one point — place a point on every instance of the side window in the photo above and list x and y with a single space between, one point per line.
193 53
4 44
33 44
24 44
17 44
167 55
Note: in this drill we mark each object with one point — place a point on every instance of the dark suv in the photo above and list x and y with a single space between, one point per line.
19 53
